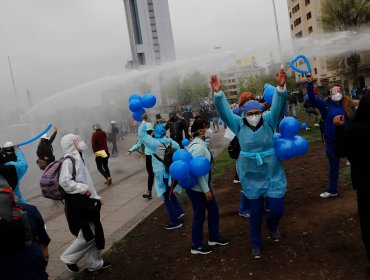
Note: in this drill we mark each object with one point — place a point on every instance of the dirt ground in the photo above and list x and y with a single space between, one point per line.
320 237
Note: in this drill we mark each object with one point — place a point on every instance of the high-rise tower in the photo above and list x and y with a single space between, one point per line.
150 31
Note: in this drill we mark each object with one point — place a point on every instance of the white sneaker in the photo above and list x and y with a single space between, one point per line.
317 125
236 181
348 163
307 128
328 194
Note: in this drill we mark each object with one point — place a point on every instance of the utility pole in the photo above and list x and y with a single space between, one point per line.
277 34
15 92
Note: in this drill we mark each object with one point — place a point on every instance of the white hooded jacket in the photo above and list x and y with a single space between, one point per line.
83 181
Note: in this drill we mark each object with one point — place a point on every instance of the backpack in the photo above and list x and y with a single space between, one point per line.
234 148
15 230
164 154
49 182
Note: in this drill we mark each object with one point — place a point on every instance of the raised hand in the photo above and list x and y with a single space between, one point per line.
281 77
309 77
215 83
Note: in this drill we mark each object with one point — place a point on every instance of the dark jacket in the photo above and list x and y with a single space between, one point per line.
45 148
328 110
177 126
80 211
353 142
292 99
99 141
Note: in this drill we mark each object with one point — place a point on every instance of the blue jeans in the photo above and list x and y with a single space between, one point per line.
334 162
200 204
276 206
173 207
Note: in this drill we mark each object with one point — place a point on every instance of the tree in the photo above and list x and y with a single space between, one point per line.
346 15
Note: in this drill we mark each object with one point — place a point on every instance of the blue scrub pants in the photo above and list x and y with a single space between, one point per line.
200 204
276 206
244 204
334 162
173 207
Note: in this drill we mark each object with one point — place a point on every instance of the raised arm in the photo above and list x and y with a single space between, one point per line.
147 140
223 107
316 101
53 135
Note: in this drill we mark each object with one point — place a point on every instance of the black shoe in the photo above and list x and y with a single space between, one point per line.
148 195
170 226
275 236
219 241
203 250
256 253
72 267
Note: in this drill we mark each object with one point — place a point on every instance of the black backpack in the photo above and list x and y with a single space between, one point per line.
15 230
234 148
164 154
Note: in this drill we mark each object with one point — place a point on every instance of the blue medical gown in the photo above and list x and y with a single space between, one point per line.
151 144
260 171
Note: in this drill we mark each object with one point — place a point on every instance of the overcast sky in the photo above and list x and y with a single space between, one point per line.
58 44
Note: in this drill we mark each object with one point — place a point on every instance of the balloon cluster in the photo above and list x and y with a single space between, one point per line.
287 143
186 169
137 104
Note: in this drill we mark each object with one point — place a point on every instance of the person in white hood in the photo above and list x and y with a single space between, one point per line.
77 189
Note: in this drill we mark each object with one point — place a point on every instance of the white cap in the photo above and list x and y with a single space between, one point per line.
45 136
8 144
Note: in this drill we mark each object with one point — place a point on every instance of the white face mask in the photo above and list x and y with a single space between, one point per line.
208 134
254 119
82 146
336 97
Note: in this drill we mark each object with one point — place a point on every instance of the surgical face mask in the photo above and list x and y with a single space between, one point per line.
209 133
336 97
253 120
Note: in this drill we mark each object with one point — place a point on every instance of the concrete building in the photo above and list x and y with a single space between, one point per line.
150 32
304 16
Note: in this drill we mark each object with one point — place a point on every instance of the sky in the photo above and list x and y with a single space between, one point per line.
55 45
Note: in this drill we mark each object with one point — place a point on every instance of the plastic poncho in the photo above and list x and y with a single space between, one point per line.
260 171
21 167
83 181
151 145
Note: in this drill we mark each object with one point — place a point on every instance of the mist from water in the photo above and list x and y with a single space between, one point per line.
333 44
76 110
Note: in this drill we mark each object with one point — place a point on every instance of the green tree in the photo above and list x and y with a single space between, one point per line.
346 15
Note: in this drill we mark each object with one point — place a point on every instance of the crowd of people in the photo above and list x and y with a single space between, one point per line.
251 124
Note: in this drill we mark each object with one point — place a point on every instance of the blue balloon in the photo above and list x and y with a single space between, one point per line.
303 125
306 97
284 148
185 142
183 155
134 96
289 127
220 123
179 170
301 145
268 93
36 137
298 57
135 105
200 166
137 115
189 182
148 100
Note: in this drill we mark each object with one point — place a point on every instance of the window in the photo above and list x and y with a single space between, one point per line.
297 22
298 35
315 69
291 27
290 14
310 29
307 2
141 58
295 8
136 22
309 15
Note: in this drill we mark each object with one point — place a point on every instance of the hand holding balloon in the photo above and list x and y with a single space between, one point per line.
281 77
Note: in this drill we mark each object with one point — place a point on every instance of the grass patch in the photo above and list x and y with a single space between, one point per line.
222 162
